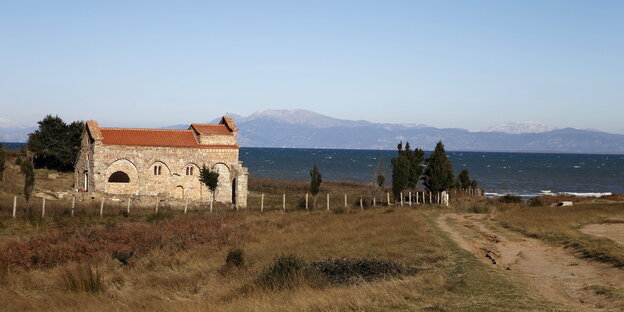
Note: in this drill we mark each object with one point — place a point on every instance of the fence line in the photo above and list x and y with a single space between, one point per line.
72 206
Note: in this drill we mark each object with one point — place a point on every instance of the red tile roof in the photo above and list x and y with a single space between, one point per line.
211 129
153 137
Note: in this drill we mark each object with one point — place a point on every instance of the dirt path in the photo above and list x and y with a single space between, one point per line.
554 271
614 231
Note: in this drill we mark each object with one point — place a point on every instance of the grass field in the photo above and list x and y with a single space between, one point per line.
169 273
177 262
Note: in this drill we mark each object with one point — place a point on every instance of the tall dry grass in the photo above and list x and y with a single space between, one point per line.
560 225
192 278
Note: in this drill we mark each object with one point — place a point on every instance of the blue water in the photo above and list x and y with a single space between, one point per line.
523 174
518 173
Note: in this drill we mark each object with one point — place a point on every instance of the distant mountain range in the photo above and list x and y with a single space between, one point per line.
303 128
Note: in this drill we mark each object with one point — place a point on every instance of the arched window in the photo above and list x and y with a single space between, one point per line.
119 177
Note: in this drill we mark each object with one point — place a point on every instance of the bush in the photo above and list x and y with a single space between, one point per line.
288 272
159 217
510 199
235 258
339 210
123 257
536 202
82 278
350 271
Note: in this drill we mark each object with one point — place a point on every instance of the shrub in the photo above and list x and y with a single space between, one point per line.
536 202
159 217
288 272
510 199
350 271
339 210
235 258
123 257
82 278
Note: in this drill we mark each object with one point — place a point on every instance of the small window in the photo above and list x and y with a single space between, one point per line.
157 170
119 177
189 170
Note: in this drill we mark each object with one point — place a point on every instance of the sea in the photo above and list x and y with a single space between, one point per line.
498 173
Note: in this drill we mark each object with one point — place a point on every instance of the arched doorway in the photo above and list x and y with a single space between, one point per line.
179 192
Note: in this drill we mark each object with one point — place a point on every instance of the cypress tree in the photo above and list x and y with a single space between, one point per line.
315 183
464 179
439 172
400 171
2 162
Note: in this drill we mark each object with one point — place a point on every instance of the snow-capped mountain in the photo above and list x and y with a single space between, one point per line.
517 127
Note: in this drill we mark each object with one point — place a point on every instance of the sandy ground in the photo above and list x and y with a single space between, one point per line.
554 271
614 231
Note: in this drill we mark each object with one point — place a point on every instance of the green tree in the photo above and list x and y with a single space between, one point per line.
315 183
211 180
400 172
438 175
2 162
26 168
406 168
55 144
415 159
473 184
463 179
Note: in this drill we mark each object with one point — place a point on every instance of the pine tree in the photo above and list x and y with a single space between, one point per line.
315 183
439 172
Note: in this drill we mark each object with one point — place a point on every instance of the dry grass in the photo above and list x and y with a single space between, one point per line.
191 278
560 225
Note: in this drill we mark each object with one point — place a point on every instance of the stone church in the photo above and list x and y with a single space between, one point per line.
162 162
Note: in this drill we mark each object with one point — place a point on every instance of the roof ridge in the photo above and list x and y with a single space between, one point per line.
144 129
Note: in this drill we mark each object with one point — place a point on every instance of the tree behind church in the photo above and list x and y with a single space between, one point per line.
55 144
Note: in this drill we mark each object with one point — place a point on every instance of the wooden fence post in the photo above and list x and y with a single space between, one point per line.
14 206
361 205
374 201
157 201
73 205
327 201
284 202
102 207
401 199
410 199
43 208
430 198
129 203
388 196
211 202
262 203
186 205
307 201
345 200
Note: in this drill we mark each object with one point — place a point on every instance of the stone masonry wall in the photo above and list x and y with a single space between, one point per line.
138 163
217 139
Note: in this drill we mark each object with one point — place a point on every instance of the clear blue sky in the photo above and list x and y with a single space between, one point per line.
468 64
